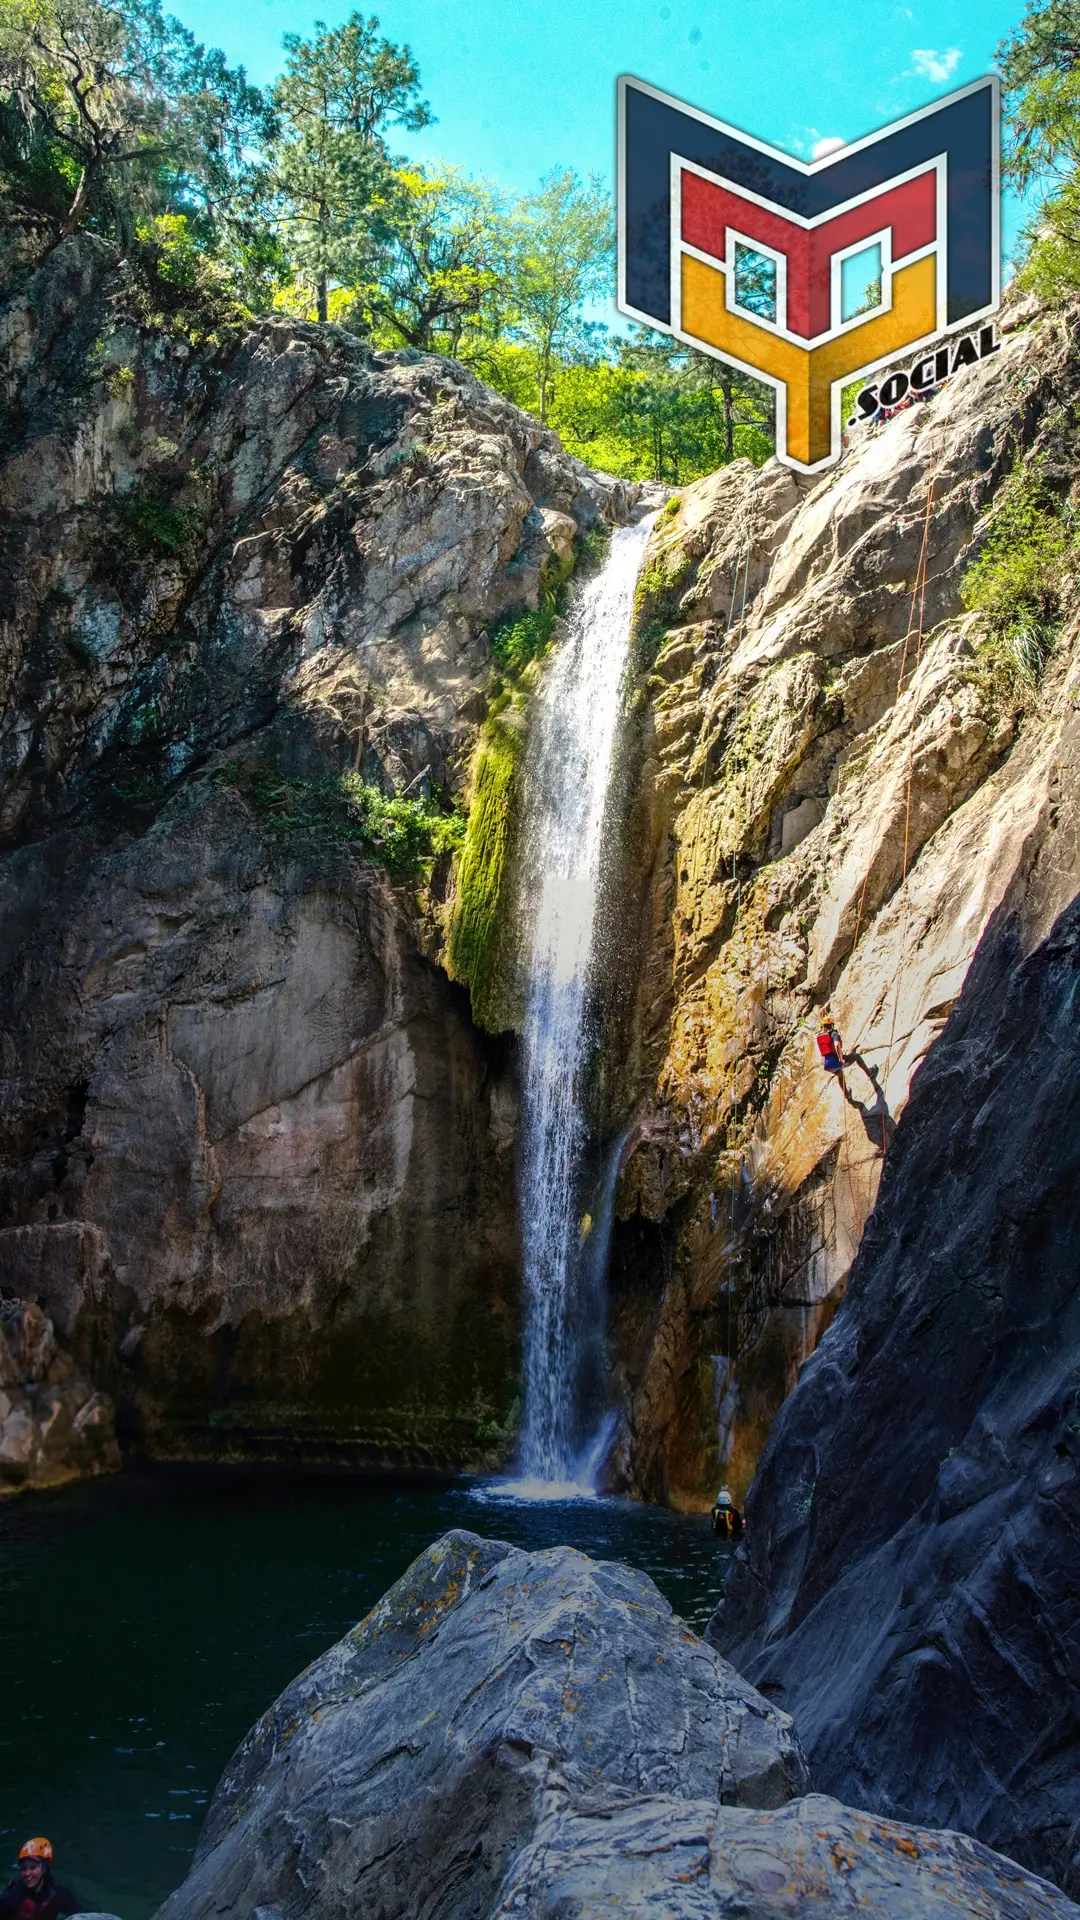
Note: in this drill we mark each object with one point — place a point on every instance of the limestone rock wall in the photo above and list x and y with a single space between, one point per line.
254 1155
837 794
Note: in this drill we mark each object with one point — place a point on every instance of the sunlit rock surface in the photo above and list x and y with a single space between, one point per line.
908 1584
537 1734
837 793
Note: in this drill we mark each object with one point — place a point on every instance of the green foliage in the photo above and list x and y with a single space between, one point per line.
475 945
109 112
150 525
1016 579
562 256
228 200
405 836
329 171
1040 67
653 409
444 266
516 642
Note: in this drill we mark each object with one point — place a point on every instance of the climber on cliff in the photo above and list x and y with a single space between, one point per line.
35 1895
726 1518
831 1048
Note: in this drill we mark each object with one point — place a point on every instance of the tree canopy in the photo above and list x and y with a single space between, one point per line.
114 119
1040 68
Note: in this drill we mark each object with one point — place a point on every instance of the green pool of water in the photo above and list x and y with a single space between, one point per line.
149 1619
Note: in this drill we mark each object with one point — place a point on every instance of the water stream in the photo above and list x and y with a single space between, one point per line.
567 823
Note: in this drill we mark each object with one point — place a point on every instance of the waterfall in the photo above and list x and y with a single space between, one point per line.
568 776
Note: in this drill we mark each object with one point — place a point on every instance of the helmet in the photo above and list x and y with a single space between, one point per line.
723 1498
38 1849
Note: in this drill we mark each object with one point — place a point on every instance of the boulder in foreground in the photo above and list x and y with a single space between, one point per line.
515 1733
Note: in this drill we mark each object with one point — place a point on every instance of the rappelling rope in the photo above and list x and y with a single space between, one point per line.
918 597
737 882
907 802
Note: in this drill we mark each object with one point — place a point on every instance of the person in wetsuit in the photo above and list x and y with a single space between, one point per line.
35 1895
726 1518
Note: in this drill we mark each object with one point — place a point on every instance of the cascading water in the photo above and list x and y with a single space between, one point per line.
568 777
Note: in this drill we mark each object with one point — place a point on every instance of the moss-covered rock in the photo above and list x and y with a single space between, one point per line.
481 948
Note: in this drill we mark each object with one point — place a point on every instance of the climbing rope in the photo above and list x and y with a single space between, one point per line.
742 566
918 597
907 800
737 883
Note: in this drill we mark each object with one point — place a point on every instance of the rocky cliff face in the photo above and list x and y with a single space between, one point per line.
848 803
537 1734
839 788
256 1159
54 1425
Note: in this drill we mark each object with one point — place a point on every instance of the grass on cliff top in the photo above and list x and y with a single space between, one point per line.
404 836
1017 579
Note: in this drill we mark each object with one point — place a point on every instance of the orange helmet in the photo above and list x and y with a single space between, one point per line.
38 1849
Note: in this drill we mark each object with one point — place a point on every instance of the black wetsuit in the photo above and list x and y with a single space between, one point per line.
727 1520
46 1902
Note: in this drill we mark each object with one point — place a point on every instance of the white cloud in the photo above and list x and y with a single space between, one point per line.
830 143
929 64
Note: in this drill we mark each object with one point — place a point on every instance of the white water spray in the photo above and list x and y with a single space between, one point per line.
568 777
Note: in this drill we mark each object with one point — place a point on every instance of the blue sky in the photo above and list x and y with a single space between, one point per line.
519 86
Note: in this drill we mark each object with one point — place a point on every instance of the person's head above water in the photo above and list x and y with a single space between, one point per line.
35 1860
723 1498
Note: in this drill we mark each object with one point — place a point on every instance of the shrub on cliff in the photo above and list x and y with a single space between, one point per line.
1016 580
403 835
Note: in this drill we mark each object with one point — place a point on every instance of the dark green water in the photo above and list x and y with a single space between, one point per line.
149 1619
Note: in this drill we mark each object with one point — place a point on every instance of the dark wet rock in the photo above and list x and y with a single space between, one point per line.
253 1153
910 1584
54 1424
537 1734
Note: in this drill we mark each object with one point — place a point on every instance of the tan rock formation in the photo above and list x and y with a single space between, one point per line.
837 792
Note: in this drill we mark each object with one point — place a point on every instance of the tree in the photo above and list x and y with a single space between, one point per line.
562 260
1040 67
445 261
109 110
330 169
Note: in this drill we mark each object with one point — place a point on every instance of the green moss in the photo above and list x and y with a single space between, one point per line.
478 949
656 598
475 955
404 836
517 642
